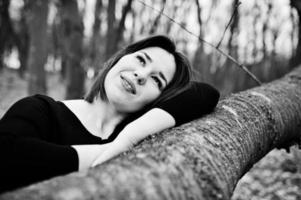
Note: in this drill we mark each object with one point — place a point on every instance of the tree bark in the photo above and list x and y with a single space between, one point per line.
203 159
36 19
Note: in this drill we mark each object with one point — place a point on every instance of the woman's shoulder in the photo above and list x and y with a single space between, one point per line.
30 106
196 100
204 91
33 100
197 92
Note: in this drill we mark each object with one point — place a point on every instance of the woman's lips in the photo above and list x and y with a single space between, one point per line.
128 85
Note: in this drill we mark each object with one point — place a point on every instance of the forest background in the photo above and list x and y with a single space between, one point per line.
56 47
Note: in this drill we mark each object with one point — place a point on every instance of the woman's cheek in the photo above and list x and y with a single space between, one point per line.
154 93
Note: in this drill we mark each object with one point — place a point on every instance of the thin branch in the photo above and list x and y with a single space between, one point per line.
230 21
209 44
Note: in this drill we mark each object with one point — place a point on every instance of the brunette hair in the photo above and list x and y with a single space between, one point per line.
178 83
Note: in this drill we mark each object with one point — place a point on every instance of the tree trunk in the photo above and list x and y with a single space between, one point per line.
110 28
119 31
201 69
95 39
6 30
22 43
296 58
203 159
234 30
72 47
115 32
156 22
265 28
36 19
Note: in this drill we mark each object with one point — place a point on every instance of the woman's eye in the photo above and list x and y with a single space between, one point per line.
141 60
158 82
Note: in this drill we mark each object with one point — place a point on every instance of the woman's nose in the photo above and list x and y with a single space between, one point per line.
141 78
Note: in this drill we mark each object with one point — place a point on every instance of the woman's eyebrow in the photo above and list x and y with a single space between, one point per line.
163 77
147 56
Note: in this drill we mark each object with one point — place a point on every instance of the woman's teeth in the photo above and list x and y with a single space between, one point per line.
128 87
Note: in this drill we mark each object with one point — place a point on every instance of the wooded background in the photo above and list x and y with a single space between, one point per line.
56 47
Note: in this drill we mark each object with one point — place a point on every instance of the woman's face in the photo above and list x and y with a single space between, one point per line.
137 79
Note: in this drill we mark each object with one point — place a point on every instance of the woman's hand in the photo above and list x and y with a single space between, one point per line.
88 153
113 149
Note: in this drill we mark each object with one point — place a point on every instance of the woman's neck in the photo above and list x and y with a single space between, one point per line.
105 117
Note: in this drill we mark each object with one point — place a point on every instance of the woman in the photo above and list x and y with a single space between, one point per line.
41 138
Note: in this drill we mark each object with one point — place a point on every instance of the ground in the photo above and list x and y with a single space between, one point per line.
276 177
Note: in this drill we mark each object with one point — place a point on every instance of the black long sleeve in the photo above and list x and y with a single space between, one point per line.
25 160
36 135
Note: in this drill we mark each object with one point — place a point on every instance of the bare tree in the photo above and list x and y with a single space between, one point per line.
265 28
203 159
115 29
256 11
72 39
155 24
95 39
36 19
22 43
201 69
296 59
234 30
111 18
6 30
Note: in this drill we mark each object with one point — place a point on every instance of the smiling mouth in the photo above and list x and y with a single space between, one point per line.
128 85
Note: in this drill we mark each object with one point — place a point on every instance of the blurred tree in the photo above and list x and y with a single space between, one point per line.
294 30
201 70
111 18
120 27
134 24
232 44
174 10
156 22
72 41
257 14
22 43
96 36
7 34
115 29
36 20
296 58
58 37
265 28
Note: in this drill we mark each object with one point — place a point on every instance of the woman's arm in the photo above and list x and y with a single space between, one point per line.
199 99
155 120
88 153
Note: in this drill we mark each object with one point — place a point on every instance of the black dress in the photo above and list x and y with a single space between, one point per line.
37 131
